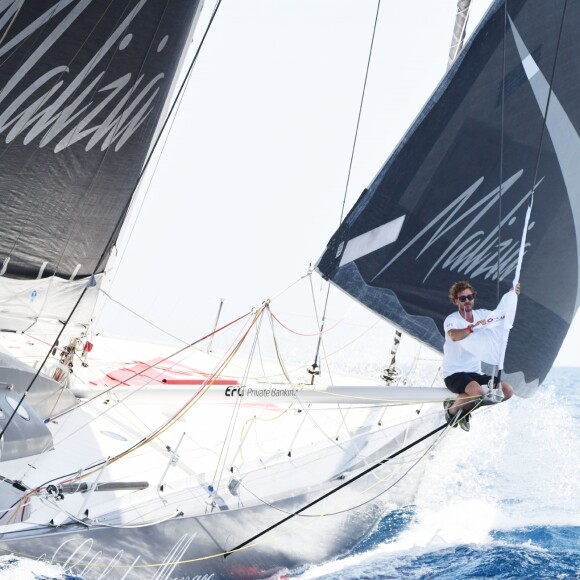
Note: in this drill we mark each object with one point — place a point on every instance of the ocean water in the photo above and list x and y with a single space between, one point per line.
502 501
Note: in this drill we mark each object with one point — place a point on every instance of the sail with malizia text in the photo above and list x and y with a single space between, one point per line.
124 471
83 85
500 131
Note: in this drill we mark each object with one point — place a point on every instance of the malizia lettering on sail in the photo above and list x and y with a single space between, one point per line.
474 251
65 112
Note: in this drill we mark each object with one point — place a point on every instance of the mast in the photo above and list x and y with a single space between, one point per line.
463 7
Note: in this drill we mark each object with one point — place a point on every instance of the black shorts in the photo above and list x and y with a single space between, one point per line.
457 382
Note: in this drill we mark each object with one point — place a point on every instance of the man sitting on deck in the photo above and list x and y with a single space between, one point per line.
461 369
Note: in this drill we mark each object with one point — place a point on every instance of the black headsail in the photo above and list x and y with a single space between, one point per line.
82 87
434 213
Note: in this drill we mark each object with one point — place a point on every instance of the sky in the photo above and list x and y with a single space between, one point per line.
251 181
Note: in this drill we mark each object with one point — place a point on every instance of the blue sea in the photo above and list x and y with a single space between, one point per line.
502 501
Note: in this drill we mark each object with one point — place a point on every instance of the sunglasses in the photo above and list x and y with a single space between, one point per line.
469 297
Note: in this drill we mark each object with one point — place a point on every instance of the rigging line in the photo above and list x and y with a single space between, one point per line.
223 456
241 368
317 354
227 553
501 149
308 410
342 412
41 366
373 484
91 279
359 116
313 299
146 320
196 397
366 331
360 110
315 366
281 292
59 349
244 431
545 116
152 434
267 376
304 409
234 418
309 414
327 363
175 105
341 486
303 333
187 346
277 351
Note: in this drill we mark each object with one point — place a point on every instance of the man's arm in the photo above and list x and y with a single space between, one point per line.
456 334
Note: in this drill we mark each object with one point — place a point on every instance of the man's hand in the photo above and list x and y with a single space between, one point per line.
517 288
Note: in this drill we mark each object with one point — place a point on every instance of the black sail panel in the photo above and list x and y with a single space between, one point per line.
450 202
82 87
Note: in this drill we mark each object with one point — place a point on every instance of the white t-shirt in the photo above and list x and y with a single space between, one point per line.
455 358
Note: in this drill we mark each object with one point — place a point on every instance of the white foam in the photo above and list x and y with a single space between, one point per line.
14 568
518 467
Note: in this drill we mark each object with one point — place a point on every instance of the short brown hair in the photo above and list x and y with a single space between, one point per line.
457 288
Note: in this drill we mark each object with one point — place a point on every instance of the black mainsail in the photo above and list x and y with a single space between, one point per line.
82 87
500 130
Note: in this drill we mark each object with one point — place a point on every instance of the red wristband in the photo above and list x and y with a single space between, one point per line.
470 328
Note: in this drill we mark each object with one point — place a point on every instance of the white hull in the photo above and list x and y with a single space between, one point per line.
192 545
212 478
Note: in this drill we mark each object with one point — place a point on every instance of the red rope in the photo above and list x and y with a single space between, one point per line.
302 333
148 367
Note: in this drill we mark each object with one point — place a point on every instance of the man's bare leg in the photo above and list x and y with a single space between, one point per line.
467 400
